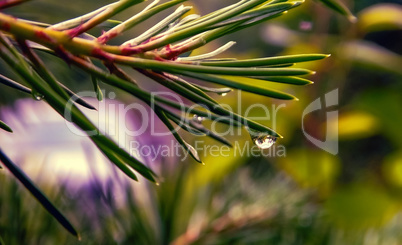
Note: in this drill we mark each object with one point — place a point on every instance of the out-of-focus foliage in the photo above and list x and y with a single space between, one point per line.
380 17
366 66
360 187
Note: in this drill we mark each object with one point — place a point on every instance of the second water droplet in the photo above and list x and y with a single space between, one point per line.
37 96
198 119
263 141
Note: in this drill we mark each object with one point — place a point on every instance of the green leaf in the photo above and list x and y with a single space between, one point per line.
59 104
41 69
23 178
216 108
159 26
254 88
99 18
208 55
288 80
212 135
79 20
98 91
219 91
13 84
226 30
186 146
114 69
5 127
117 161
184 124
250 15
113 152
172 67
108 24
233 119
279 10
210 16
77 98
339 7
131 88
185 88
195 128
148 12
278 60
204 23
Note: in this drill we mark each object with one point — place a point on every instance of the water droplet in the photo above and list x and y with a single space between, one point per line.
37 96
263 141
223 94
112 95
198 119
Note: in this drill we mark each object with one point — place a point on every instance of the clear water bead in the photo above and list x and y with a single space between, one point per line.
198 119
264 141
37 96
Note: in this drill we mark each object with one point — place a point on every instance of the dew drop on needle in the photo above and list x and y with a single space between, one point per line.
264 141
37 96
198 119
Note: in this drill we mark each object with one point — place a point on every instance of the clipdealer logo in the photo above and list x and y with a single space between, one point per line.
330 144
116 113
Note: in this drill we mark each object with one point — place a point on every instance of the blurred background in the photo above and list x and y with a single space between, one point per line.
304 195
